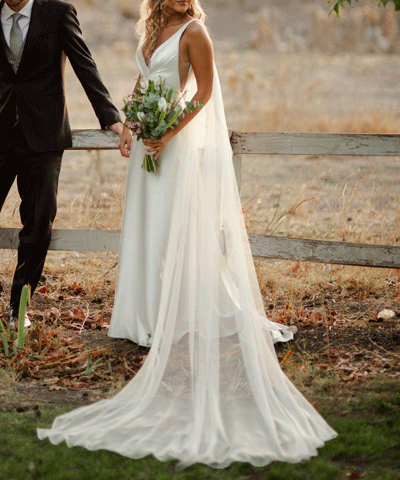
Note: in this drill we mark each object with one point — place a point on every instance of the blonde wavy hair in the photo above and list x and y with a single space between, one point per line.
153 17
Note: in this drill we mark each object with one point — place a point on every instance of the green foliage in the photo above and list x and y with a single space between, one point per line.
150 119
24 302
90 368
341 3
169 94
4 339
150 100
174 118
151 111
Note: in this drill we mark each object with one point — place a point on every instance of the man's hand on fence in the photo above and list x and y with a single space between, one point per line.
117 128
125 142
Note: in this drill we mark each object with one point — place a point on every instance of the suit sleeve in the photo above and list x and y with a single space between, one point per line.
86 70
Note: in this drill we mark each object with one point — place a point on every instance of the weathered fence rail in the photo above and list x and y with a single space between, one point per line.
273 143
261 245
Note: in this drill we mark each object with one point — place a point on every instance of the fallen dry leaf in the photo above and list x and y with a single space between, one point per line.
285 359
76 288
355 475
79 313
51 381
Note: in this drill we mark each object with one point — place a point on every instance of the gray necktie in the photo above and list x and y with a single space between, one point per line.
16 39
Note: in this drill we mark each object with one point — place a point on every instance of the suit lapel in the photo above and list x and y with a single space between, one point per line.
3 57
38 17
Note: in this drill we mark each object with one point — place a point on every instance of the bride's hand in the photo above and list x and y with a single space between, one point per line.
125 142
155 146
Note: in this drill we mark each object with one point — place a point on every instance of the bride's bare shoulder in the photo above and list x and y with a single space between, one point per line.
196 34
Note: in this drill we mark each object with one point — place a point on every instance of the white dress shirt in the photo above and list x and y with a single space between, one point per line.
7 21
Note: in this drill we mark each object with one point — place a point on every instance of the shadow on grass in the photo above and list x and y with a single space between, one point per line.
367 447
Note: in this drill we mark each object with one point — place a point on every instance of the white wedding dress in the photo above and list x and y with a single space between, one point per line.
156 208
211 389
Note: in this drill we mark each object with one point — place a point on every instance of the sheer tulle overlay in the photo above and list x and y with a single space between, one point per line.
211 389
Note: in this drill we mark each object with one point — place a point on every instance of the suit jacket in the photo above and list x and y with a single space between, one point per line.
37 89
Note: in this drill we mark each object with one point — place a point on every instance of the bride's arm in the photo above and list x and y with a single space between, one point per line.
197 45
125 142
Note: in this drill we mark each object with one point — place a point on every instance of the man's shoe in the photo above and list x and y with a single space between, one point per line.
13 320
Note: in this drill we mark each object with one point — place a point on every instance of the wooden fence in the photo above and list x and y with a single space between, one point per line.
262 245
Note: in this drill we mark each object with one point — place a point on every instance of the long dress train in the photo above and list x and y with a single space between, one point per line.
211 389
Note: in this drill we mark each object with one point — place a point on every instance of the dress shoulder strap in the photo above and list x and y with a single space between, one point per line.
185 25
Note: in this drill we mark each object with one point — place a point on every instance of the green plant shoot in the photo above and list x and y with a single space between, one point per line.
24 302
90 369
4 339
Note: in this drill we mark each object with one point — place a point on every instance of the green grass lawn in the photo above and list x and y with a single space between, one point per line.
368 446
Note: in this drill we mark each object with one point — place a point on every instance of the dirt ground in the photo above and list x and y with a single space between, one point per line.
339 337
287 83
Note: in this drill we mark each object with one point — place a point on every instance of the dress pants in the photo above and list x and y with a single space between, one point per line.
37 181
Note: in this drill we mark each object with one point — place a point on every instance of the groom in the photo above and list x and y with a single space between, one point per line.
36 36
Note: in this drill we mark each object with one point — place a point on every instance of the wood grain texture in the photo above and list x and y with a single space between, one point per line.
261 246
315 143
272 143
94 140
325 252
70 240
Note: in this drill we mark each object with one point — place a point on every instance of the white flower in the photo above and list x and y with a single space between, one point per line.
141 116
162 104
157 81
144 84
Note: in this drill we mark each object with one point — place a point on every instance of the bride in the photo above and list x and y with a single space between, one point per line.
176 47
211 389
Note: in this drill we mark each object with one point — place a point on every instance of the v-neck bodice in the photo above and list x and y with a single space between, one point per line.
164 60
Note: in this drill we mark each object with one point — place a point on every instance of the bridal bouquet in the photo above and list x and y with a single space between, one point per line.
151 110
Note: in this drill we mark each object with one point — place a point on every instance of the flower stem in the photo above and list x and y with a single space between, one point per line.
149 164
